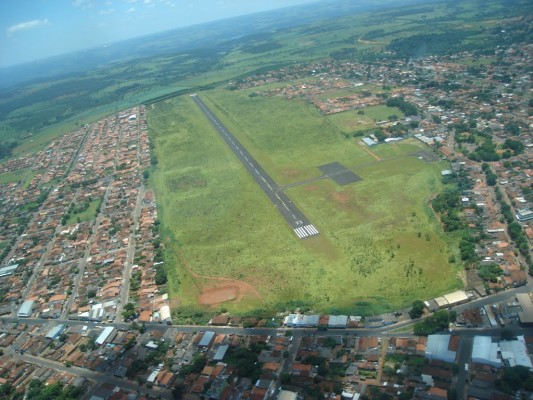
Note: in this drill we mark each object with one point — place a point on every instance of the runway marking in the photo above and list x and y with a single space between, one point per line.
312 229
306 231
300 233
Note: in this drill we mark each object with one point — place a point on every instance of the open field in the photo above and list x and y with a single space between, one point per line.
86 215
24 175
352 121
377 235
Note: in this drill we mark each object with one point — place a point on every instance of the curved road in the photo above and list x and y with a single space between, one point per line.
294 217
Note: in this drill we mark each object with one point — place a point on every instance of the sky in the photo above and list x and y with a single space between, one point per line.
35 29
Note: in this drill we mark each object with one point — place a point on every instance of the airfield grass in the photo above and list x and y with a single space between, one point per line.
351 121
379 247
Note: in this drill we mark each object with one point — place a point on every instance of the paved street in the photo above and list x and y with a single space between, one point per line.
464 352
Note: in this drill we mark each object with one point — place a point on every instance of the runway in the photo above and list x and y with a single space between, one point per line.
294 217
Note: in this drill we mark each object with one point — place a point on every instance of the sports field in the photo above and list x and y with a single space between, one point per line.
379 246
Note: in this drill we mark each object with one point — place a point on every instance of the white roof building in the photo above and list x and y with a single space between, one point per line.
26 309
164 313
100 340
437 348
485 352
337 321
514 352
300 320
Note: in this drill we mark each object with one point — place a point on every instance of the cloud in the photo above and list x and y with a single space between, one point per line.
107 12
83 4
23 26
147 1
131 10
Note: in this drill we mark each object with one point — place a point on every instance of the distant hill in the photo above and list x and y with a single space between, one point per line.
184 39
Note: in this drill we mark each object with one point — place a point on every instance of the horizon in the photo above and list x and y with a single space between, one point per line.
40 33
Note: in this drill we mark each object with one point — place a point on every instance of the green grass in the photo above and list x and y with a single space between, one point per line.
382 112
87 215
291 145
352 121
24 176
377 235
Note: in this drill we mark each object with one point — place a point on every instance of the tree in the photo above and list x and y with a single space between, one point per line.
437 322
142 328
515 145
417 310
129 311
515 378
285 378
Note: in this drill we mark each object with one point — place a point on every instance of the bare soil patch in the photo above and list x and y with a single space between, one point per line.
341 198
291 173
219 295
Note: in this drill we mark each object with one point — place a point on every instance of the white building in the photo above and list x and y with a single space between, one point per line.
438 348
26 309
514 352
100 340
485 352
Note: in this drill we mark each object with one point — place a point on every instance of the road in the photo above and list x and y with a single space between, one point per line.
94 376
126 274
294 217
83 261
464 354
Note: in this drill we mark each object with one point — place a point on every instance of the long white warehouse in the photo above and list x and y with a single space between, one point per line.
104 335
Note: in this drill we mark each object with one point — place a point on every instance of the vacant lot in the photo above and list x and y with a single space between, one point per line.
360 120
379 248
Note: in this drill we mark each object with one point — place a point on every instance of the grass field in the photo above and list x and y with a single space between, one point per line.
86 215
24 175
377 235
352 121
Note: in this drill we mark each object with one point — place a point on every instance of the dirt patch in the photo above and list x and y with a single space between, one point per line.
370 153
473 279
219 295
227 290
291 173
341 198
